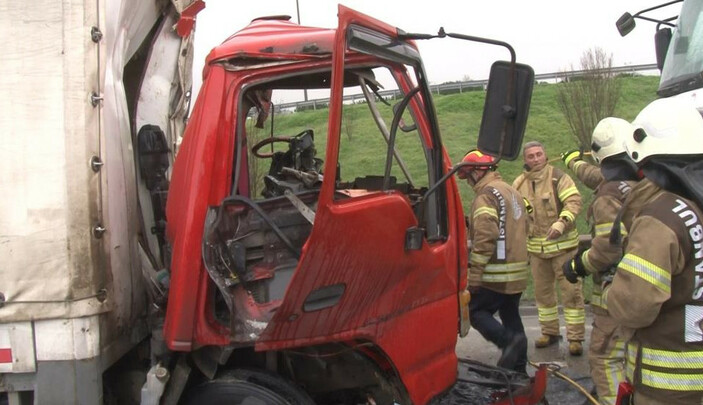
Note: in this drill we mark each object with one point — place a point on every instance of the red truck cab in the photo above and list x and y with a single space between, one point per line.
333 256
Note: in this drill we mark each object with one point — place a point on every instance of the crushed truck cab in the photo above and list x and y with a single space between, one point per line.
250 268
266 257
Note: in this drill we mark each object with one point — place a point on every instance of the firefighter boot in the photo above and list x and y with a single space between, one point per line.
575 348
546 340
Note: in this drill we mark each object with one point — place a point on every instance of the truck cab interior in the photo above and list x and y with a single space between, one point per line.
254 239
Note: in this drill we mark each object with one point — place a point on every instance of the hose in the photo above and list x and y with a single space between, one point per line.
554 370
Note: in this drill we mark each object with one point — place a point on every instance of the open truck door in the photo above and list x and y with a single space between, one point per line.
355 279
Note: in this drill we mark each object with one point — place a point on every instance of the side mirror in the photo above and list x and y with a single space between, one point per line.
662 38
505 111
625 24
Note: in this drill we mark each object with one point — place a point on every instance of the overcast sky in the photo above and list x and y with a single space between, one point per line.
549 35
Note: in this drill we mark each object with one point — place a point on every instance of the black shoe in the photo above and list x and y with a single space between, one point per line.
511 352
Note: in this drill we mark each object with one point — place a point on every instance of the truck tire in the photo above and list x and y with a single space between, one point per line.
232 392
250 387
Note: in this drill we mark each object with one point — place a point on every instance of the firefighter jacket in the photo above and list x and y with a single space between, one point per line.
555 201
657 293
588 174
498 257
608 199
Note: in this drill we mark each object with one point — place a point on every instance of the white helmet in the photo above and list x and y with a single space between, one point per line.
667 126
608 137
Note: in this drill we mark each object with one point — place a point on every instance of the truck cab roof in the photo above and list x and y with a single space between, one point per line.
274 38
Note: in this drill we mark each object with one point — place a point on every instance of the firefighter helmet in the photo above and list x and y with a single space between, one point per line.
667 126
476 156
608 137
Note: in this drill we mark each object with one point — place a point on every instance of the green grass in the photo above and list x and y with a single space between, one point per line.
459 120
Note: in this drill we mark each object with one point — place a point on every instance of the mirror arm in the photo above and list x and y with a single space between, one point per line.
450 173
509 107
442 34
485 41
659 22
637 15
666 22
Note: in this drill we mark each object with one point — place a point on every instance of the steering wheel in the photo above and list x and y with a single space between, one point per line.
268 141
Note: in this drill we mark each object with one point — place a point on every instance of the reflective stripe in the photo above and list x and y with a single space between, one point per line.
587 263
604 229
577 164
542 245
503 273
608 399
568 193
504 278
647 271
487 211
574 316
517 266
675 360
548 314
613 366
597 300
665 359
631 361
568 214
478 258
674 382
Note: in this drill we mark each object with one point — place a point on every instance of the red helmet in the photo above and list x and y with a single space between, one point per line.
476 156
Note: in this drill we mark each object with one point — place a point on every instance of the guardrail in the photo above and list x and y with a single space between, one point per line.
459 87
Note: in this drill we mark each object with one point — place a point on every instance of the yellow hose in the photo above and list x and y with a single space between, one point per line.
556 373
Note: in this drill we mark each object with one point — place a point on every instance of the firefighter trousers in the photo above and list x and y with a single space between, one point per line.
606 356
545 273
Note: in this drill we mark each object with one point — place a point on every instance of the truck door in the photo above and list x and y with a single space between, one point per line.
357 279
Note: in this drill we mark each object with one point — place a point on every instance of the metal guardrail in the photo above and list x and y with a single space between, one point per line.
459 87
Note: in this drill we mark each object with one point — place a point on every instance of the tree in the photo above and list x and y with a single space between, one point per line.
589 95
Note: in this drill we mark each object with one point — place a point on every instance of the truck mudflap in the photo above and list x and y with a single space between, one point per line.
479 383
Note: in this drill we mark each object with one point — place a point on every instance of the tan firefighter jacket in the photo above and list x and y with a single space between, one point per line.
657 293
587 173
607 201
498 257
555 200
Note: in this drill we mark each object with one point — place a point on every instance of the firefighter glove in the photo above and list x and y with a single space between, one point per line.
556 230
569 272
573 269
571 155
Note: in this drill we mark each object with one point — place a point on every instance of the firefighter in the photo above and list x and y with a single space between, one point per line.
497 260
657 290
552 240
612 182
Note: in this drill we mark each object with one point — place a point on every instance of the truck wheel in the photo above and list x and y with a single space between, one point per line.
229 392
240 386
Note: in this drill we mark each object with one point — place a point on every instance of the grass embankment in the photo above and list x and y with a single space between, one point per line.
459 119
